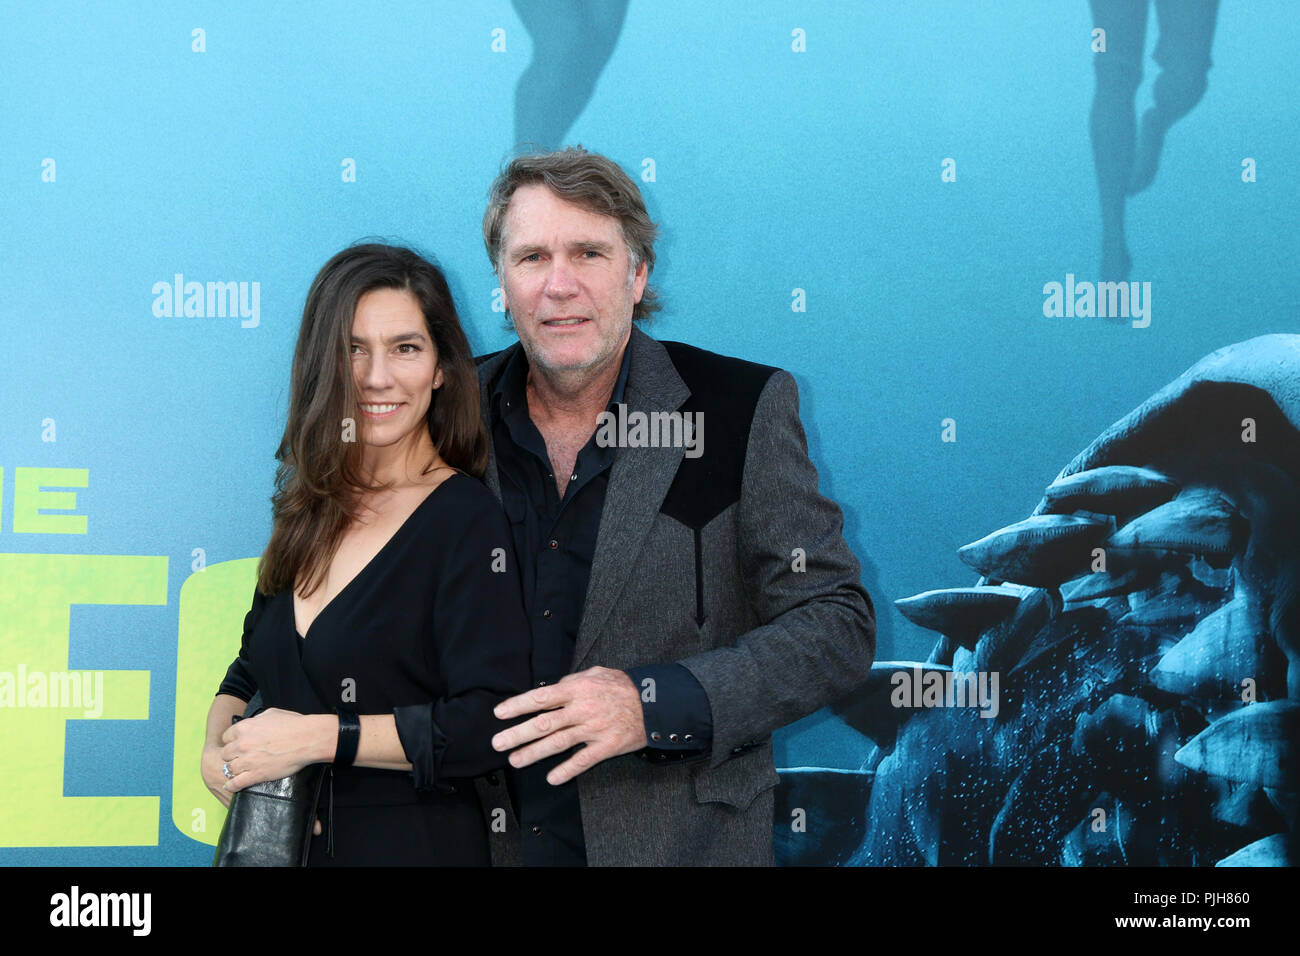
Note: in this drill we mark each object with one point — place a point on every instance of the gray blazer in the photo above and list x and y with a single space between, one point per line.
696 562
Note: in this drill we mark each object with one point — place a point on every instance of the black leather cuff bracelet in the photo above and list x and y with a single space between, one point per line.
349 737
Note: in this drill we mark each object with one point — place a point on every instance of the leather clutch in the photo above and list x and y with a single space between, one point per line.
270 823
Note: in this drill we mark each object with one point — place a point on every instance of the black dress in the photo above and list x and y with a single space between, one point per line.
433 631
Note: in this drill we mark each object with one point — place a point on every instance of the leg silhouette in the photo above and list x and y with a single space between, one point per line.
1113 123
1183 53
572 41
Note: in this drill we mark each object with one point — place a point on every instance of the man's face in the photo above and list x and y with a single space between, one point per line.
567 281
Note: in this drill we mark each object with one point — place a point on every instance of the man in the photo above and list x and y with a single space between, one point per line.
688 588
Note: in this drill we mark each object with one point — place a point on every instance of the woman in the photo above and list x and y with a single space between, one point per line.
388 590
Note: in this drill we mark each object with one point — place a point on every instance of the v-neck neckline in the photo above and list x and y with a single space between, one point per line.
293 613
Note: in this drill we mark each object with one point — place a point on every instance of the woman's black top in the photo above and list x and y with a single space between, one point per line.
433 631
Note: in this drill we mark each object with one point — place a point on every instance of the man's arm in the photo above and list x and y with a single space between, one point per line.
820 633
816 646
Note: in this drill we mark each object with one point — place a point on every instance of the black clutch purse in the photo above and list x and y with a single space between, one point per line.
270 824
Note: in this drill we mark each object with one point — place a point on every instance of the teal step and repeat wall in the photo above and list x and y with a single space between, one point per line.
896 202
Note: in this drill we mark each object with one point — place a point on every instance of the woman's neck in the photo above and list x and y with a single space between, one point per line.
402 464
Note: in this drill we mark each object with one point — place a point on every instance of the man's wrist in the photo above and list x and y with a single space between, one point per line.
636 706
675 711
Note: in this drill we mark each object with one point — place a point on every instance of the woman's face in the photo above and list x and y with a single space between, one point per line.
395 365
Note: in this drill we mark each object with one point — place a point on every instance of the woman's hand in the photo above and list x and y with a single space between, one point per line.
213 777
274 744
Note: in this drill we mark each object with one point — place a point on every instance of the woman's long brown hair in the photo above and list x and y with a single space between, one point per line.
320 476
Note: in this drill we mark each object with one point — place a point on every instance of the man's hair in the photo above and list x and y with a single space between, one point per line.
585 179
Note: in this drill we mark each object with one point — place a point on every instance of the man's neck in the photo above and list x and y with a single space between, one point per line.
573 399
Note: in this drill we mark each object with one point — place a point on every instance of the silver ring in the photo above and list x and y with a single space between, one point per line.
225 768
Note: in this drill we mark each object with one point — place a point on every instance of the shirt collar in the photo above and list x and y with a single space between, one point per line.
510 391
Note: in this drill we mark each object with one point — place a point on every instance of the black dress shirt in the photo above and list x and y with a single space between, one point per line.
555 542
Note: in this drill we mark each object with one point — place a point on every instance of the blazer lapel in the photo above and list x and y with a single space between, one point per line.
486 373
638 482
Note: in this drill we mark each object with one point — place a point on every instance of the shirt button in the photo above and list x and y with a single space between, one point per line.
688 738
541 683
554 544
537 830
546 613
655 735
674 738
574 476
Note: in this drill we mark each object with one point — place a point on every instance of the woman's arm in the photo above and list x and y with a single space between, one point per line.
482 644
236 690
277 743
223 708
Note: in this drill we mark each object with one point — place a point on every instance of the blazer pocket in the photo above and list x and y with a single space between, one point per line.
738 781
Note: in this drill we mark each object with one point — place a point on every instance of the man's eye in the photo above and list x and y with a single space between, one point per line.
408 345
533 257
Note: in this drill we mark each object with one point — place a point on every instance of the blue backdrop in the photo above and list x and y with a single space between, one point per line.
871 195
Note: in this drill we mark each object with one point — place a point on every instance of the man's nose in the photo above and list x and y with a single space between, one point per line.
561 282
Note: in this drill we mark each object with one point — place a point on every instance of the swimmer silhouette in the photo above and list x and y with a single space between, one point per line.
572 41
1127 159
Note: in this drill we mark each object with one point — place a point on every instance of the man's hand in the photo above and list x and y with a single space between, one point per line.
598 708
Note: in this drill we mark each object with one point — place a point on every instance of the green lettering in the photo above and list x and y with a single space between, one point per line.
30 497
35 621
213 603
